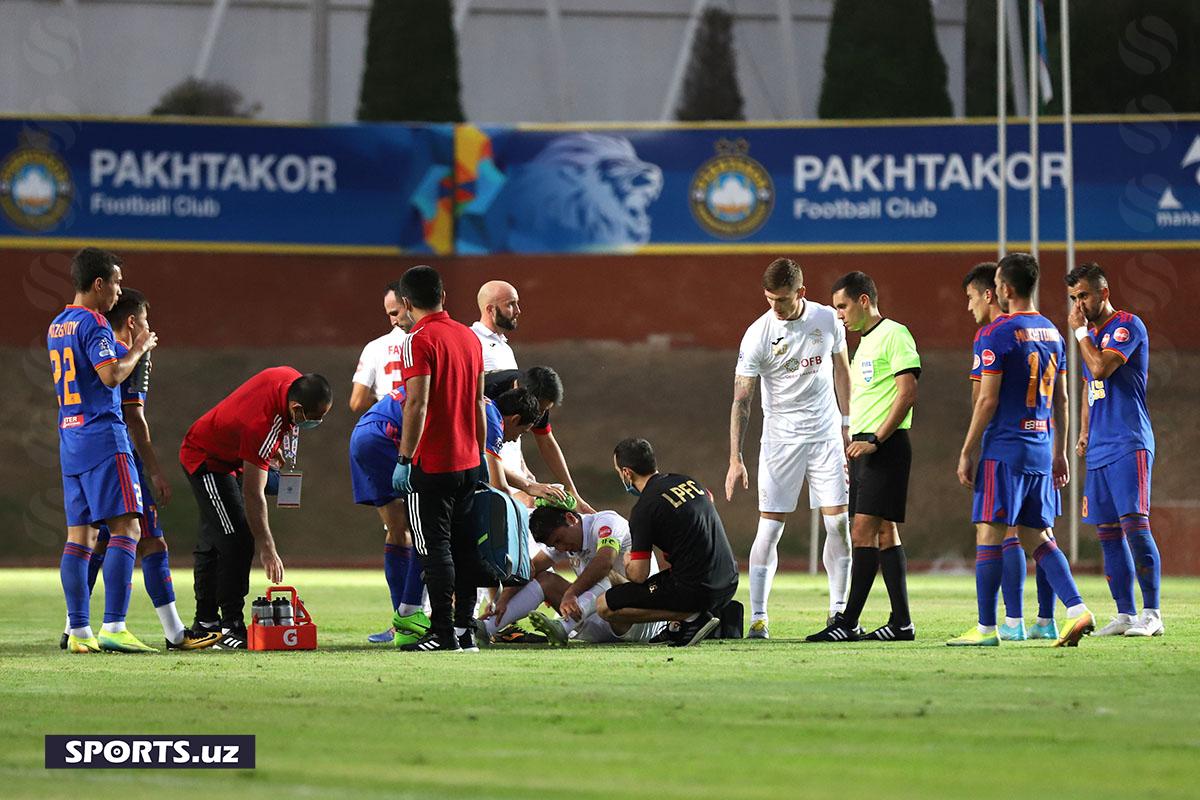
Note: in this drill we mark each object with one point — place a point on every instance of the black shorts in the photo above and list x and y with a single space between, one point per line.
661 592
879 482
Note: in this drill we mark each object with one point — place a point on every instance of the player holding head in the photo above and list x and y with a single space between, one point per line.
883 390
798 350
675 514
1116 437
1022 395
982 303
100 482
596 545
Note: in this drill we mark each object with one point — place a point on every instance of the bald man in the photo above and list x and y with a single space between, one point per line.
499 308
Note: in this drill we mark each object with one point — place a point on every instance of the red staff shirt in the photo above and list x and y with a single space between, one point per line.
248 425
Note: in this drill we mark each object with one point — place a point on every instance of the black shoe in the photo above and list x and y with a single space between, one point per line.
513 634
433 643
196 640
669 631
62 643
466 639
891 633
233 638
693 632
836 631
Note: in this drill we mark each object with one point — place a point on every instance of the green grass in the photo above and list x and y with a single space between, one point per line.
1111 719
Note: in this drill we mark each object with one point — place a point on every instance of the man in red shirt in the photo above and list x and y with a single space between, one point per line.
227 454
441 364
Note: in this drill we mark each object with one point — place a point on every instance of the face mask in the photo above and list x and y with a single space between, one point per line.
629 487
304 423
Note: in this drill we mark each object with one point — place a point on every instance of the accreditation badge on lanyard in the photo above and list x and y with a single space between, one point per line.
290 478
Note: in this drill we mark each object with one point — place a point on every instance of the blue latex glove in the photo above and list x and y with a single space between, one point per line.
400 478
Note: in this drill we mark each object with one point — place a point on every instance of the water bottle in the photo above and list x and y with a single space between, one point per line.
282 611
141 374
260 611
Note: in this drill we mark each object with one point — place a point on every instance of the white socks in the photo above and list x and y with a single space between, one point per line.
1075 610
172 625
764 559
1013 622
81 633
836 558
524 601
113 627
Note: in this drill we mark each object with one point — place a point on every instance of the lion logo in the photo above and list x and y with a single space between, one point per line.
583 191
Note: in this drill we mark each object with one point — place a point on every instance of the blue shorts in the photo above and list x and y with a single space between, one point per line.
108 490
374 446
1118 489
1004 497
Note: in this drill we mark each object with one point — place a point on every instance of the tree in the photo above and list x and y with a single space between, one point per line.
198 98
710 86
411 69
882 60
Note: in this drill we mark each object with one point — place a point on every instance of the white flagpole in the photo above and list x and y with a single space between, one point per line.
1001 134
1072 352
1034 177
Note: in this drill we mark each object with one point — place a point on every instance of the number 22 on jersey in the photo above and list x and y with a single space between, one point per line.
64 376
1040 383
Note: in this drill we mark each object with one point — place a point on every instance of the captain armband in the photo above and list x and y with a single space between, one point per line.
611 542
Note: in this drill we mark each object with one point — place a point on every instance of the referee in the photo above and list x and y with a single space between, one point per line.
883 389
441 440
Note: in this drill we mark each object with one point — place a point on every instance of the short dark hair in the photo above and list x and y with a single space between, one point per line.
1089 272
422 285
636 454
312 392
520 402
783 273
129 304
91 263
1020 271
982 276
545 520
393 287
543 383
855 285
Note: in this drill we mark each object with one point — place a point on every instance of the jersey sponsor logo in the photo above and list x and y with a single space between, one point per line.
1121 334
792 364
605 531
1104 341
817 337
73 421
975 362
106 348
731 195
989 358
868 371
1095 391
1038 425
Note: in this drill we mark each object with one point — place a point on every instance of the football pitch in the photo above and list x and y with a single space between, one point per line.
1114 718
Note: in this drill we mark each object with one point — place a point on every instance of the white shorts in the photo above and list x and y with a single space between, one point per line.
596 630
512 458
783 467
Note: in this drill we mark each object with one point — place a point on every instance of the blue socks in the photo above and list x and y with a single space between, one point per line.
97 562
1058 572
156 574
74 574
414 585
395 570
1118 566
989 569
1145 558
1012 583
118 574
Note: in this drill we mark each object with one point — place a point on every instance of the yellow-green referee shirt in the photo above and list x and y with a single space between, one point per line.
884 351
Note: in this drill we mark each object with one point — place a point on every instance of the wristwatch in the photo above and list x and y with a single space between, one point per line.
872 439
404 460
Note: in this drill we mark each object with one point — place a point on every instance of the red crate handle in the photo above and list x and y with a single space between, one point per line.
300 613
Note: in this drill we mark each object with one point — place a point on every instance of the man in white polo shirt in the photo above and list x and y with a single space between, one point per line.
499 308
798 349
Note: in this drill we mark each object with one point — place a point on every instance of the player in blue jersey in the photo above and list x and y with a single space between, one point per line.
980 288
1021 417
1116 438
100 483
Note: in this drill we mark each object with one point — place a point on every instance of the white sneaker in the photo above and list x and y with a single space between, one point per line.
758 630
1148 623
1120 623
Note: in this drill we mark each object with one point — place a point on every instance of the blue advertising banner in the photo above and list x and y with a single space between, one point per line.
883 186
373 189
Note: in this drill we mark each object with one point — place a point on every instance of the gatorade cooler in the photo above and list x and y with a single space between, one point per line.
300 636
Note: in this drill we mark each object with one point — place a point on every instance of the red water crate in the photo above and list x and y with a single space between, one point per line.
301 636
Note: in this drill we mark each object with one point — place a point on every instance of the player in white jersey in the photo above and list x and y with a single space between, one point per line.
596 546
378 374
378 371
798 350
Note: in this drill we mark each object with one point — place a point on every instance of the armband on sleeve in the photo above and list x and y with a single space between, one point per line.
611 542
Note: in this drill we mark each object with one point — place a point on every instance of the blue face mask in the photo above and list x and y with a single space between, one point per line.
304 423
630 488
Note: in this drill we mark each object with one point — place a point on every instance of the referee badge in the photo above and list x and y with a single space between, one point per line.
868 371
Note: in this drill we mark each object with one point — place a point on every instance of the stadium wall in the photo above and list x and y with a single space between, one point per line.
645 344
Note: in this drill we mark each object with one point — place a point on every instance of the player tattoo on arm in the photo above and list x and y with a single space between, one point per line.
739 416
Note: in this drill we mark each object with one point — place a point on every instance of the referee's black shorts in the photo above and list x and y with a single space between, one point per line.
879 482
661 592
